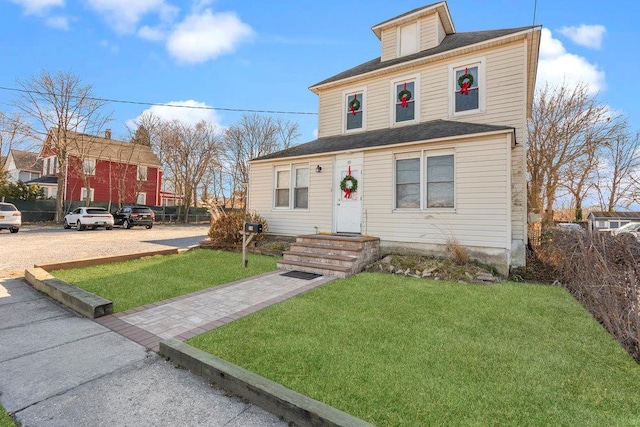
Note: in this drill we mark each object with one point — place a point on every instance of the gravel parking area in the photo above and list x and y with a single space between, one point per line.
39 245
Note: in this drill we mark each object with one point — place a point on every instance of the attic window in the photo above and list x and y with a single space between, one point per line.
408 39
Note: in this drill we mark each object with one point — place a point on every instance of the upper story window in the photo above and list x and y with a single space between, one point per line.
142 173
468 84
89 166
405 100
408 42
354 110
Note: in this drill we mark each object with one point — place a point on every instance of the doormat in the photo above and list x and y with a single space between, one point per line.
301 275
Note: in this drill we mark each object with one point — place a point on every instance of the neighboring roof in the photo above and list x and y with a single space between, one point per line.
26 160
416 13
92 146
47 179
426 131
616 215
450 42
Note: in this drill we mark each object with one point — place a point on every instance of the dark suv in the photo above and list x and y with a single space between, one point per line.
128 216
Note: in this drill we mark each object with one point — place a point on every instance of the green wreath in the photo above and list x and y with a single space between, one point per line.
462 78
354 104
354 183
404 93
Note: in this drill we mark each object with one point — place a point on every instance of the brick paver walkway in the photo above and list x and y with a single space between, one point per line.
190 315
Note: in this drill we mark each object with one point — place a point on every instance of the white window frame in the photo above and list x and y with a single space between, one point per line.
363 108
93 168
83 194
482 86
424 155
141 198
415 98
142 176
400 38
291 168
276 188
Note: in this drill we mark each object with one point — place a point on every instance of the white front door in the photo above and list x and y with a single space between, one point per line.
348 204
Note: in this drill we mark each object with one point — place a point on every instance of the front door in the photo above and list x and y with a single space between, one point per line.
348 203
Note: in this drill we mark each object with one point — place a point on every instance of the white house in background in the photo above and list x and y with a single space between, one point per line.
430 137
22 165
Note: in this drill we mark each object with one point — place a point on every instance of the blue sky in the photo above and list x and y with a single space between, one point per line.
259 55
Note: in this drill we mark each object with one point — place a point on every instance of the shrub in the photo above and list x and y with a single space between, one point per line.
603 273
457 253
225 230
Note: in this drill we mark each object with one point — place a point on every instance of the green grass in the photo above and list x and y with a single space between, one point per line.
5 419
135 283
398 351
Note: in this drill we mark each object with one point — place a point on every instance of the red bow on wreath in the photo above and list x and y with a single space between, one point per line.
347 191
404 102
353 105
464 87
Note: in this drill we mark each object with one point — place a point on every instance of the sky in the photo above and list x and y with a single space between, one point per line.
264 55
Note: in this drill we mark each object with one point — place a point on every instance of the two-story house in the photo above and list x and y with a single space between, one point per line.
422 146
102 169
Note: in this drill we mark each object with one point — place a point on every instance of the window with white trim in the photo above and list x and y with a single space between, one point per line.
141 199
405 98
283 182
83 194
142 173
468 87
89 166
301 188
354 107
425 180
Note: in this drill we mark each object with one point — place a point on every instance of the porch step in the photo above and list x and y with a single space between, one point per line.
318 268
335 255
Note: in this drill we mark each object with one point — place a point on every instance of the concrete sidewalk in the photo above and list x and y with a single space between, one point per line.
58 369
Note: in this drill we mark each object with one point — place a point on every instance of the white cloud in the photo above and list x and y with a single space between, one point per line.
59 22
185 115
124 15
556 66
585 35
153 34
205 36
37 7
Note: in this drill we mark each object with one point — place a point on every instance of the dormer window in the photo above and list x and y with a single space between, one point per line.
354 106
405 100
408 40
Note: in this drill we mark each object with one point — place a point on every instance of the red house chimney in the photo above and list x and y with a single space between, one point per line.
107 134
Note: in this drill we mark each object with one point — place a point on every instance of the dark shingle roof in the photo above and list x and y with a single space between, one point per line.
378 138
26 160
450 42
417 9
48 179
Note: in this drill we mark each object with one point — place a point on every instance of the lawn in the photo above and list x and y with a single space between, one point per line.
135 283
5 419
398 351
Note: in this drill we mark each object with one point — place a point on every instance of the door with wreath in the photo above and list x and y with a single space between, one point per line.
347 195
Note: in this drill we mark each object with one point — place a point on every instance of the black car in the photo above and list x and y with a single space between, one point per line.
129 216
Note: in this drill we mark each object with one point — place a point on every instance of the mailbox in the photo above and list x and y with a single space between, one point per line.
252 227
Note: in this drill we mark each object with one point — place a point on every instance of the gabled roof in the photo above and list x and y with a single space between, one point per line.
26 160
47 179
626 215
96 147
416 13
426 131
449 43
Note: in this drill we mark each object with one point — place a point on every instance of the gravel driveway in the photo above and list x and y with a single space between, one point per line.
39 245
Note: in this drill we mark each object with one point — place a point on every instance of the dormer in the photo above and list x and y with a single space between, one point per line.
417 30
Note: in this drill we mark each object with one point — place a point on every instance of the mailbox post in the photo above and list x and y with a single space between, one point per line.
250 229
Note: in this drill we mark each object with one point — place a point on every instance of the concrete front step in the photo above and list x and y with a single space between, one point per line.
324 249
336 240
320 258
312 267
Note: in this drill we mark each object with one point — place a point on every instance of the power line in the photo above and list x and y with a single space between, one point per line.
155 104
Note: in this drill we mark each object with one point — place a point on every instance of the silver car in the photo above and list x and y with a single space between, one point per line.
92 217
10 217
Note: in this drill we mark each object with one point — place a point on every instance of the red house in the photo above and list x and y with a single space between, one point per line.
101 169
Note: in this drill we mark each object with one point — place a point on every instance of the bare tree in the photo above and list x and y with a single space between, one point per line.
190 151
566 122
59 103
13 131
252 137
578 178
619 163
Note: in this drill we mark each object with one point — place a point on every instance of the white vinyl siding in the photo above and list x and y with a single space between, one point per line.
429 32
389 44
